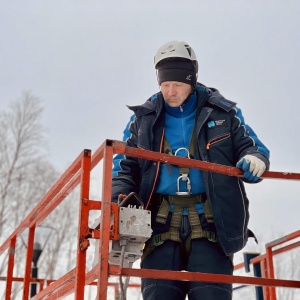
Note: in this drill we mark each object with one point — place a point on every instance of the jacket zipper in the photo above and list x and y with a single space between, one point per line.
202 156
217 140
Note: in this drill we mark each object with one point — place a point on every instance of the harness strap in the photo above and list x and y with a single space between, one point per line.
194 222
190 205
208 212
178 203
158 239
175 223
163 212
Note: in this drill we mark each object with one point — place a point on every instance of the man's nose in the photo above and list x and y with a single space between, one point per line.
171 91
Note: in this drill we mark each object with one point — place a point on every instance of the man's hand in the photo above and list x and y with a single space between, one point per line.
252 166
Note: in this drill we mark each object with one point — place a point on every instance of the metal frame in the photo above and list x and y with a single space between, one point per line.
75 280
263 264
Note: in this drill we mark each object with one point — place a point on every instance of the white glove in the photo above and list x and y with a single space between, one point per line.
252 166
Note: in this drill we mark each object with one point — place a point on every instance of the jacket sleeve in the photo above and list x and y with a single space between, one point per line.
245 140
119 157
126 173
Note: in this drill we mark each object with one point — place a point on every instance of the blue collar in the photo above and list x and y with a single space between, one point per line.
185 109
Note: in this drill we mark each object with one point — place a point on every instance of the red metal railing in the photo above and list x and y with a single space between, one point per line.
265 261
75 280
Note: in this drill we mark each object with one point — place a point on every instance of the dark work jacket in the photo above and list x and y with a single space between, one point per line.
221 137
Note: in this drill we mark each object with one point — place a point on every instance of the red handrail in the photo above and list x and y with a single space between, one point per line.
75 280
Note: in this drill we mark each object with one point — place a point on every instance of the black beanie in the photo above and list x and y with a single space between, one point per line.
177 69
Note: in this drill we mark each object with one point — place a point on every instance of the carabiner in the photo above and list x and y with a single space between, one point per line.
184 177
187 151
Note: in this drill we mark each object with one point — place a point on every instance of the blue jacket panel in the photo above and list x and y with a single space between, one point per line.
222 137
119 157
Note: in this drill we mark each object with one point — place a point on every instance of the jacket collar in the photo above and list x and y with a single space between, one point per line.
185 109
153 104
156 102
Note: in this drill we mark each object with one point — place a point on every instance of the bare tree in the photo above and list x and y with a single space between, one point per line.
25 174
286 266
25 177
59 255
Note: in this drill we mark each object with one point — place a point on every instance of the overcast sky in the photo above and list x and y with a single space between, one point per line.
87 59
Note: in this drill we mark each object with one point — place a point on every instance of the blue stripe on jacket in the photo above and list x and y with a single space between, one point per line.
251 134
118 157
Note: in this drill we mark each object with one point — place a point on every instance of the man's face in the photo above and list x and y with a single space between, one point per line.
175 93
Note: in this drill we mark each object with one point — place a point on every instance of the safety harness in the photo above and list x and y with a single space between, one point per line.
179 204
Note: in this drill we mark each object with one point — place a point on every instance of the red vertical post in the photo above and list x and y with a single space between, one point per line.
29 253
83 225
271 274
10 268
264 272
103 271
42 282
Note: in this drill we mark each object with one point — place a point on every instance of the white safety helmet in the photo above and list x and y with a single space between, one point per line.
175 49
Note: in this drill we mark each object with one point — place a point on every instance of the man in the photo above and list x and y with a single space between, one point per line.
199 219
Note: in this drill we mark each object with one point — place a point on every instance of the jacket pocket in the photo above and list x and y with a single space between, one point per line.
217 139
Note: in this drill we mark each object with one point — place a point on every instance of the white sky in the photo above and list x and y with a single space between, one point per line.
87 59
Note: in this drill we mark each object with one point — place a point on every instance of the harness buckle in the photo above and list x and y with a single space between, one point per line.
157 240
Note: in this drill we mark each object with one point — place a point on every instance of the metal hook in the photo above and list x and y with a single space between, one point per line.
188 153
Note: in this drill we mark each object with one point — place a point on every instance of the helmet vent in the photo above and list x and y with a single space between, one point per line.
189 50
